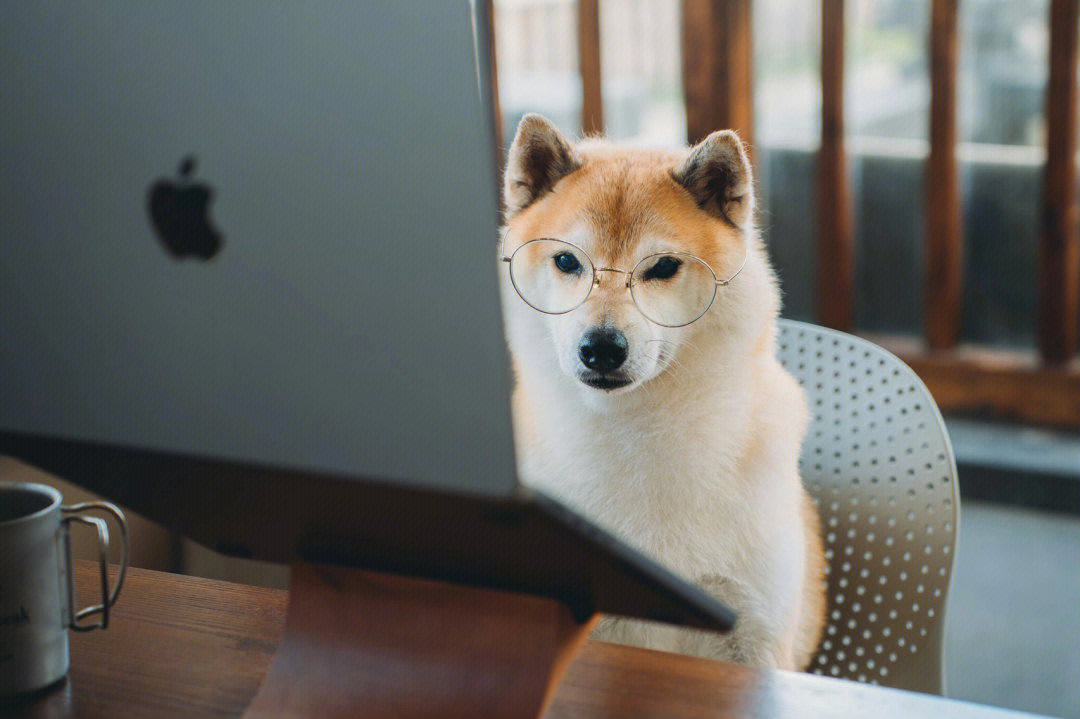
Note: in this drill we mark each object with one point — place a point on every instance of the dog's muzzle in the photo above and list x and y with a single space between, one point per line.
603 349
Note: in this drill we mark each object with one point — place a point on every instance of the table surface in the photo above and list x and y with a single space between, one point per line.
183 646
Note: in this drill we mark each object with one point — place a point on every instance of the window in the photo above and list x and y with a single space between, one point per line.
1001 82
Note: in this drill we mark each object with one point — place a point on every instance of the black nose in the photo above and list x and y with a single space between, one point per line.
602 349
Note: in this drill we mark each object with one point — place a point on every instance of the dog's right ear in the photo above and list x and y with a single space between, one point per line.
539 157
717 175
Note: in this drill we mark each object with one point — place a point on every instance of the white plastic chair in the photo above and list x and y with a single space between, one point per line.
878 461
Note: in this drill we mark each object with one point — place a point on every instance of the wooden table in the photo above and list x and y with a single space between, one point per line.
182 646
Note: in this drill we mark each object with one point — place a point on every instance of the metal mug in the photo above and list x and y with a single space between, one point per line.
37 599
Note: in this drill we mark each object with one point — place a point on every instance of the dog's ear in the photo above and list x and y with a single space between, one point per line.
539 157
717 174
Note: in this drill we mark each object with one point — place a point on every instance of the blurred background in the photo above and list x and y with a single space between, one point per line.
938 260
1001 77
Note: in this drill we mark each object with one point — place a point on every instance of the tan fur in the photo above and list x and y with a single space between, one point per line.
694 462
815 594
628 194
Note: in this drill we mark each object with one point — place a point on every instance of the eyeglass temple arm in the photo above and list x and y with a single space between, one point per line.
502 246
724 283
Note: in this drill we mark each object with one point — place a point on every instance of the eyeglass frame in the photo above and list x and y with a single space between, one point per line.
508 259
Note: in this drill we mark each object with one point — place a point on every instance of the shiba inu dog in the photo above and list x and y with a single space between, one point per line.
640 311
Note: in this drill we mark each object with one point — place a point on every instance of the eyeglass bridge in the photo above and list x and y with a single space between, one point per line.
598 270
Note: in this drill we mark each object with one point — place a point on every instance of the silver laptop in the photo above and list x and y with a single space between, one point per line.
248 287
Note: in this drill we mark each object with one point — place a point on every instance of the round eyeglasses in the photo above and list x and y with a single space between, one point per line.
672 289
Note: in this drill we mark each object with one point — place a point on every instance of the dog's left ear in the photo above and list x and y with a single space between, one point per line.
539 157
717 174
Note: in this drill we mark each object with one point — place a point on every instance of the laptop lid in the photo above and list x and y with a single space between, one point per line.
248 289
337 309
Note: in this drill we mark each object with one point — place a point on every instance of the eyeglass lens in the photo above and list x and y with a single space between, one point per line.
672 290
551 276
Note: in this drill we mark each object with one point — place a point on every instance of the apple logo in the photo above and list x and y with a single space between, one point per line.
179 211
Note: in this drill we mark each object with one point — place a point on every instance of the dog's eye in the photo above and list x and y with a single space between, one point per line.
665 268
567 263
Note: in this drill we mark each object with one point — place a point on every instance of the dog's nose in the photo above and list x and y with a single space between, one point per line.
603 349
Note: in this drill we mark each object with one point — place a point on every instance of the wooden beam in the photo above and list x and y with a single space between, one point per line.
717 68
486 10
944 256
995 383
1059 255
496 107
836 236
592 105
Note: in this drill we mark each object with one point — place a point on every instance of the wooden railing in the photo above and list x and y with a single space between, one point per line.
1041 387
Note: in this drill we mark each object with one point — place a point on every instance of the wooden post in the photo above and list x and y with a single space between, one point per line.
592 103
489 14
717 68
486 16
836 238
944 259
1059 259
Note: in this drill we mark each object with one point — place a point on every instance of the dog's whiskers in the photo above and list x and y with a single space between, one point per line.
667 354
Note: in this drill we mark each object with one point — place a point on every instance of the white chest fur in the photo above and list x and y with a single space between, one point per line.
677 472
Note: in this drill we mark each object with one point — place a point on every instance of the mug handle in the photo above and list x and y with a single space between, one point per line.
73 513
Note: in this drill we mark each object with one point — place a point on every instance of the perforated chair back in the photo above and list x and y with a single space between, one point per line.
878 461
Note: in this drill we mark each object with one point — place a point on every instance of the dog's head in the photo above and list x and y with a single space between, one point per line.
675 226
